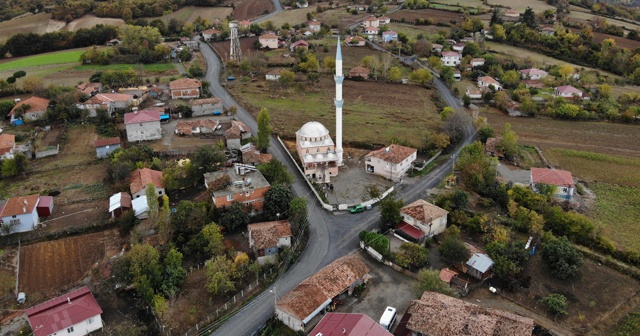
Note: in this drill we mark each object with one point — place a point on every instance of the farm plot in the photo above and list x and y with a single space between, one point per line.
620 41
223 47
56 266
90 20
293 16
38 23
538 6
59 57
435 14
249 9
190 13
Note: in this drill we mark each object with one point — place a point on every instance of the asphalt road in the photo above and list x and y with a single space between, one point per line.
331 235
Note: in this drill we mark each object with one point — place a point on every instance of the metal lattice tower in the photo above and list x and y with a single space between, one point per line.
235 51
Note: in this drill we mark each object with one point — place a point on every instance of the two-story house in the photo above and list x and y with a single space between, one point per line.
371 21
314 26
488 82
389 36
390 162
450 58
210 34
206 107
143 125
107 101
268 41
32 108
236 133
421 220
242 183
267 238
185 88
533 73
7 146
20 214
73 314
140 178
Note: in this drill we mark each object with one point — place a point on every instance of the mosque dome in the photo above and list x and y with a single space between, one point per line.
313 129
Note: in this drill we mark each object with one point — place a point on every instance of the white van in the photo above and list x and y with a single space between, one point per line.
388 318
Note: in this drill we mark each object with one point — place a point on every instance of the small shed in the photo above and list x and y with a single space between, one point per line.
119 203
45 206
104 147
479 266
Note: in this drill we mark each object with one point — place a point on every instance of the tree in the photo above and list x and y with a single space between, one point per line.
212 233
298 214
485 133
5 107
276 201
394 74
502 100
174 273
329 63
511 79
446 74
264 130
556 304
563 259
379 242
145 270
509 142
234 217
471 49
412 255
565 71
429 280
390 210
219 271
421 75
196 70
310 65
275 172
529 18
15 166
453 251
286 78
32 84
498 32
477 170
188 219
466 100
135 38
153 205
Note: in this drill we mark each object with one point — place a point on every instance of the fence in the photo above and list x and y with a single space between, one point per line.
40 235
48 151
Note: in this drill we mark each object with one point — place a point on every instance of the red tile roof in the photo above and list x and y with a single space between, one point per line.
236 130
107 142
19 205
554 177
410 230
147 115
488 80
7 142
104 98
393 153
185 83
88 88
211 31
339 324
450 54
36 104
62 312
268 37
140 178
568 89
204 101
300 43
423 211
446 275
266 234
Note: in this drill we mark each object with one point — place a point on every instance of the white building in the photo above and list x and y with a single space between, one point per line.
20 213
450 58
560 179
488 82
533 73
268 41
73 314
267 238
391 162
567 91
317 152
143 125
371 21
421 220
140 178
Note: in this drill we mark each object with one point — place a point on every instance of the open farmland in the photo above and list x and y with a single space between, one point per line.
617 212
341 18
538 6
39 23
53 267
584 15
620 41
191 13
249 9
59 57
90 20
435 14
293 16
412 31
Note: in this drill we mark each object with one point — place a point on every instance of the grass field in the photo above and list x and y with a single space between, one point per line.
293 16
160 67
617 211
584 15
597 167
190 13
61 57
538 6
412 31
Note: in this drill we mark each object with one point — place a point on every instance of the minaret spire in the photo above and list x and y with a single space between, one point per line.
339 78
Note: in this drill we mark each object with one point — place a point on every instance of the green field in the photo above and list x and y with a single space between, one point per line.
598 167
617 211
160 67
61 57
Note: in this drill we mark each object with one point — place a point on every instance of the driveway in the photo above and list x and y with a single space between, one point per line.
514 174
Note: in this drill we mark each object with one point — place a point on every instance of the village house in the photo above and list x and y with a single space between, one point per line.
20 214
421 220
143 125
317 152
547 31
511 15
457 75
371 21
252 156
513 108
303 4
185 88
314 26
273 75
206 107
355 41
140 178
37 108
458 47
106 101
89 89
299 45
567 91
533 73
390 162
450 58
371 31
190 127
348 324
296 308
389 36
119 203
437 47
439 314
383 20
244 24
236 133
476 62
140 207
479 266
139 93
359 72
267 238
268 41
104 147
491 148
488 82
561 179
75 314
532 83
473 93
242 183
7 146
210 34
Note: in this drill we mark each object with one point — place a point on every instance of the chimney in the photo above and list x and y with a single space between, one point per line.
344 330
25 201
69 300
24 210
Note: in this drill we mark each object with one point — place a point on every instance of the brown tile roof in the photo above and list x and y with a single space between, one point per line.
204 101
555 177
19 205
102 98
423 211
185 83
186 127
7 142
446 275
488 80
268 37
266 235
491 146
107 142
36 104
438 314
393 153
211 31
359 71
140 178
88 88
322 286
236 130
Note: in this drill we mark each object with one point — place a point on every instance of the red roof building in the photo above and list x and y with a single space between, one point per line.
344 324
140 178
185 88
75 313
143 125
561 179
37 108
7 146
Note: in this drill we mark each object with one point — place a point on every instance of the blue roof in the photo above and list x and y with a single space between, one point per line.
339 51
480 261
164 116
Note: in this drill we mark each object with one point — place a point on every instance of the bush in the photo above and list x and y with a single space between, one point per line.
563 259
377 241
556 304
412 255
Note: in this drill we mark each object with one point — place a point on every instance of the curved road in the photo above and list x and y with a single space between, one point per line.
331 235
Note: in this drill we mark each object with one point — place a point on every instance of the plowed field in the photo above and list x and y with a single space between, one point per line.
250 9
56 266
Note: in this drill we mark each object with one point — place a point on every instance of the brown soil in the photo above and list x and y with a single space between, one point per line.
435 14
223 47
49 138
54 267
249 9
620 41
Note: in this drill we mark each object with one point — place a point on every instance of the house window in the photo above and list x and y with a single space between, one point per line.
229 198
13 216
247 194
70 330
159 192
90 320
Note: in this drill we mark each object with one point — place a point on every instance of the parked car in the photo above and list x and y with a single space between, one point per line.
232 77
356 209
